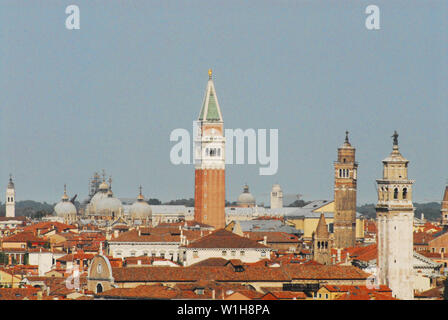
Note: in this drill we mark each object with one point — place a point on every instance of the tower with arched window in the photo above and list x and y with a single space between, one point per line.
395 216
321 242
10 198
345 177
209 199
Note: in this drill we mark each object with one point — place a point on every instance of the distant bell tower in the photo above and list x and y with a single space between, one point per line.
321 242
276 197
444 210
10 199
209 196
345 176
395 217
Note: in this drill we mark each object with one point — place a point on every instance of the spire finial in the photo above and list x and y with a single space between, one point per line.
65 188
140 189
395 136
346 137
110 182
210 74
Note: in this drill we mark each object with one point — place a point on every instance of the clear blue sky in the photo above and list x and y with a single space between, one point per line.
108 95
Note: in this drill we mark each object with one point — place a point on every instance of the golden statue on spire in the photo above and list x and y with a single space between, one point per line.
210 74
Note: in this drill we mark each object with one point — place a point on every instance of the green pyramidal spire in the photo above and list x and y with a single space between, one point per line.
210 108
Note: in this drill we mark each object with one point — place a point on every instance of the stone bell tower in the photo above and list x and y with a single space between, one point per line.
10 199
444 209
321 242
210 188
345 177
395 217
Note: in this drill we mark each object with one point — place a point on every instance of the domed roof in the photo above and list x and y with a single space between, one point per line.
108 206
65 207
103 186
140 209
246 197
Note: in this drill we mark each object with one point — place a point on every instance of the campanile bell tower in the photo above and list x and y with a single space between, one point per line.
345 177
395 218
209 195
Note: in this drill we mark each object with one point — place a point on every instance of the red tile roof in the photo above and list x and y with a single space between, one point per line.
273 237
224 239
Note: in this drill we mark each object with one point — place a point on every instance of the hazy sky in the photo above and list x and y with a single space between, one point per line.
108 95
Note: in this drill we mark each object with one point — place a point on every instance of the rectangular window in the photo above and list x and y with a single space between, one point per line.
224 253
233 253
242 253
263 253
195 254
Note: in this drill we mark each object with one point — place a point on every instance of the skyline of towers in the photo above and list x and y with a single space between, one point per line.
209 195
395 217
345 178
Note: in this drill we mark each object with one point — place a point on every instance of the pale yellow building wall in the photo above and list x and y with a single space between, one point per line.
309 225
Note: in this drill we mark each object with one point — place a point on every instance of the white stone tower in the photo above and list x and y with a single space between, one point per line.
10 199
395 217
276 197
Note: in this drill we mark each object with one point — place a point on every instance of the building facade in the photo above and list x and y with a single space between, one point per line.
210 162
345 177
395 214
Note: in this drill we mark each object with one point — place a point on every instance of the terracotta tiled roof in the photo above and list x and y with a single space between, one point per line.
284 295
431 293
141 292
229 273
422 238
18 293
224 239
158 234
365 296
23 237
273 237
348 288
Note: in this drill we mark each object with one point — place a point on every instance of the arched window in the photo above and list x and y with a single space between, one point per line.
405 193
99 288
343 160
318 245
326 245
340 173
219 152
396 193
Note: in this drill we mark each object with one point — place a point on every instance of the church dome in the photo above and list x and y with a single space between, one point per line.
65 207
246 198
108 206
140 209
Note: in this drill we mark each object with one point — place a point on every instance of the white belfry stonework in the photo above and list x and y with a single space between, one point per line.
276 197
10 199
395 216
